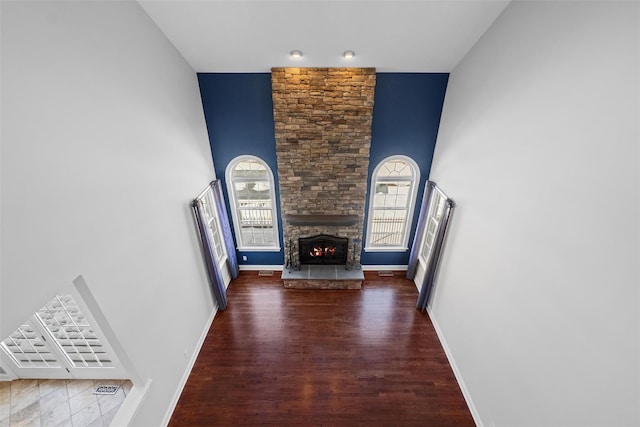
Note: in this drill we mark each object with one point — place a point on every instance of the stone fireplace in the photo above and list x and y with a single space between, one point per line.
323 133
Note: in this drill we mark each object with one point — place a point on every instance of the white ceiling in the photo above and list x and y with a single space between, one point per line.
390 35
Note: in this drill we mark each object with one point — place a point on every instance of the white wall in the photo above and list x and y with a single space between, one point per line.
538 295
103 146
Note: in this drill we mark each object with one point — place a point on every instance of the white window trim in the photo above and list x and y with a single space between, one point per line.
434 202
413 192
206 202
234 207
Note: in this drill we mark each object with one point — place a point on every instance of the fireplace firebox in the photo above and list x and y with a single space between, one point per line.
323 249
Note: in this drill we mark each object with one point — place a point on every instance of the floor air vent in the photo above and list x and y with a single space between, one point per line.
265 273
106 389
385 273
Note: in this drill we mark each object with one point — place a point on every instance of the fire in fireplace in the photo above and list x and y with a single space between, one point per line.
323 249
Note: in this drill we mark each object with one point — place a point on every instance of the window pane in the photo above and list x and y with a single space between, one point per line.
258 236
255 217
436 210
262 190
258 193
396 167
27 348
387 227
211 215
251 185
394 188
217 242
65 322
249 169
394 194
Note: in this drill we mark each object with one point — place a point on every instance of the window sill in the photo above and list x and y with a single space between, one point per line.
386 249
259 249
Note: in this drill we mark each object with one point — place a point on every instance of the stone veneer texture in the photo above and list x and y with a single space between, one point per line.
323 135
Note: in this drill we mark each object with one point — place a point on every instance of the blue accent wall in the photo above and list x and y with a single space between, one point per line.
406 117
238 109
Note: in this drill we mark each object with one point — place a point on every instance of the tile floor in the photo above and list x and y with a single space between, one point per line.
59 403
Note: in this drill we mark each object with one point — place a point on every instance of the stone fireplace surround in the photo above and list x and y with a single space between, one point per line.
323 122
323 134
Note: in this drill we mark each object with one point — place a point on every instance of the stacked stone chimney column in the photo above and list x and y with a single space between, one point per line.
323 135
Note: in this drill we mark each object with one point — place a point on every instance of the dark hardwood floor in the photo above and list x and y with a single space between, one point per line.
321 358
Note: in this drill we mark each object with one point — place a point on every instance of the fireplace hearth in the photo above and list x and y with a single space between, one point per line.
323 249
323 264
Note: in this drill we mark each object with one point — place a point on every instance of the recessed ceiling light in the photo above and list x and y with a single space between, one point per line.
296 54
348 54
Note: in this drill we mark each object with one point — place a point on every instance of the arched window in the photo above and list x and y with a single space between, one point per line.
394 185
253 204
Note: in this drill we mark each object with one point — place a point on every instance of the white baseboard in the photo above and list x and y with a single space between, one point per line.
456 371
364 267
187 372
384 267
261 267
